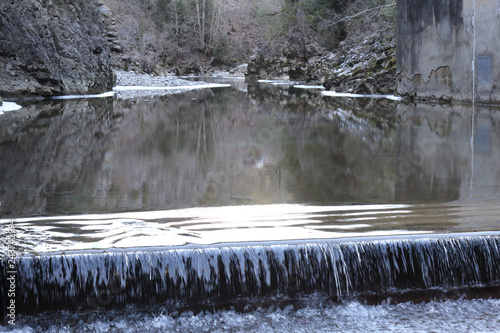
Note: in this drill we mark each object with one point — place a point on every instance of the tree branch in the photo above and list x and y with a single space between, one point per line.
350 17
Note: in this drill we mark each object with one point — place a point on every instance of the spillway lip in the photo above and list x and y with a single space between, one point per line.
189 247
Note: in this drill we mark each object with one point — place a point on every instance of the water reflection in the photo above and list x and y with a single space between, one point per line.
204 148
248 145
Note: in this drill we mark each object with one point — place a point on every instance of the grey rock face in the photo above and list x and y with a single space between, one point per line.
366 67
53 48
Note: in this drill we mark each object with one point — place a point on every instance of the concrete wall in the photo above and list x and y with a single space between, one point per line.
435 47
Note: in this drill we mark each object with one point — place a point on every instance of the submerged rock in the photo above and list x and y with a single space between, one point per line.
53 48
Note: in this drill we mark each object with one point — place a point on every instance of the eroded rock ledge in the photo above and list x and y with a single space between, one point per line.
54 47
366 66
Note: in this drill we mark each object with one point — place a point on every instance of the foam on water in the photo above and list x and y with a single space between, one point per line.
480 315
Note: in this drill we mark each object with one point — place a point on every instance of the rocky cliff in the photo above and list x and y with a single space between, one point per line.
365 65
54 47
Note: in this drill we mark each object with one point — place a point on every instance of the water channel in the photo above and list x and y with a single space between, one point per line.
247 166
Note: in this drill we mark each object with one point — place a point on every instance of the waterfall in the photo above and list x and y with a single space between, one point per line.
216 274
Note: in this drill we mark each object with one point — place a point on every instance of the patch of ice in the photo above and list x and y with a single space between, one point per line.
274 81
9 106
199 86
336 94
103 95
303 86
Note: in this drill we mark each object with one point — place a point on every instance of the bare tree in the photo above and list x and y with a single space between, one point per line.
200 6
357 10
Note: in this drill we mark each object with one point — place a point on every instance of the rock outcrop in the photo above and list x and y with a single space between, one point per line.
54 47
366 66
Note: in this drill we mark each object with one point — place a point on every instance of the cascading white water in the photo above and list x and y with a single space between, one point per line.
225 274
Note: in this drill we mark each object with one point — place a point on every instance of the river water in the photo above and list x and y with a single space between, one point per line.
243 165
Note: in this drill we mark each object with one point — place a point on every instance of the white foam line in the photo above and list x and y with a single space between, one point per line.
303 86
199 86
336 94
103 95
9 106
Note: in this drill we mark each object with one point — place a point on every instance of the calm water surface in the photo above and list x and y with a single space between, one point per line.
245 163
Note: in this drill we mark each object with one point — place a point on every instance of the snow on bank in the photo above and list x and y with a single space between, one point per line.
303 86
132 85
191 87
9 106
277 82
336 94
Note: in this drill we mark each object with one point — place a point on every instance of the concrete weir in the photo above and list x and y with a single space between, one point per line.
334 268
447 50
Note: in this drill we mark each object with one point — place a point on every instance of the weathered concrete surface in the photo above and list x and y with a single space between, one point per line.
435 49
54 48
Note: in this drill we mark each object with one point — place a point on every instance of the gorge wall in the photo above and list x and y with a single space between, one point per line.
54 47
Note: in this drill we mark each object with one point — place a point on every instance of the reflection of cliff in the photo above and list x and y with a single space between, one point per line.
47 148
334 164
193 149
224 147
371 112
